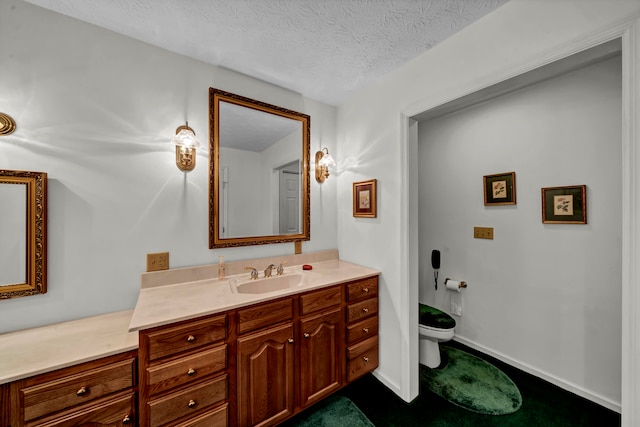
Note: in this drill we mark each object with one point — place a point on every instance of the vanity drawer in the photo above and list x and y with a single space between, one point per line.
263 315
362 289
188 336
183 404
362 358
362 309
364 329
186 369
117 412
320 300
56 394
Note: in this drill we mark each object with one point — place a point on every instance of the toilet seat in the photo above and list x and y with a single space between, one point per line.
436 333
432 318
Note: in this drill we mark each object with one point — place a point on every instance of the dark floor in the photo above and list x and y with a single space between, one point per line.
543 404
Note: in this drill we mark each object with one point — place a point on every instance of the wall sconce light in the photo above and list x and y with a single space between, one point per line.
186 143
323 161
7 124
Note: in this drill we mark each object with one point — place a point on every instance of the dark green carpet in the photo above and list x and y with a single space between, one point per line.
471 383
543 405
334 411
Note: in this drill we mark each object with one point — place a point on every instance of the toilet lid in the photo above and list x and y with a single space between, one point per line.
431 316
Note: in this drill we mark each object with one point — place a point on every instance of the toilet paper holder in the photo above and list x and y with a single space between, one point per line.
462 284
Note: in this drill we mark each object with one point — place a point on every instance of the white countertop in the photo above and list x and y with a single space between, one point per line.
47 348
162 305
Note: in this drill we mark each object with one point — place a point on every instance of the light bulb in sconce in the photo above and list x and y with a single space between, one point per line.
186 143
323 162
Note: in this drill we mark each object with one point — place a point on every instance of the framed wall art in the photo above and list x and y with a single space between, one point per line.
564 205
500 189
364 199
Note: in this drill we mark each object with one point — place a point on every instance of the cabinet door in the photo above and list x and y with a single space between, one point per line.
266 376
319 356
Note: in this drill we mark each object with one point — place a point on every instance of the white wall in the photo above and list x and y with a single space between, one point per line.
374 142
544 296
97 110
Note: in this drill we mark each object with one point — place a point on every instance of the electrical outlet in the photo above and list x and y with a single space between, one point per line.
158 261
483 233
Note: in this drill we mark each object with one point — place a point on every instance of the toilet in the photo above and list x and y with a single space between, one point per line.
435 326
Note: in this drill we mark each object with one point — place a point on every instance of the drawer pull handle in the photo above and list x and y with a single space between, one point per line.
126 419
192 404
191 338
290 340
82 391
365 310
191 372
365 330
306 335
365 358
365 290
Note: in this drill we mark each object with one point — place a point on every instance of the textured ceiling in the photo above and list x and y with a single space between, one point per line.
324 49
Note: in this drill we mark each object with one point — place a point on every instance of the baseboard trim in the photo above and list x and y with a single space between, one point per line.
566 385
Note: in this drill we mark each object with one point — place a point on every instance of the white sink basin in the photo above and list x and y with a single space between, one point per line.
267 284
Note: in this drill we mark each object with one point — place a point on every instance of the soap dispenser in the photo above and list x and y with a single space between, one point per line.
221 268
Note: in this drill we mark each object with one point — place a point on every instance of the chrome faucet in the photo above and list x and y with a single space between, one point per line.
268 270
280 269
254 272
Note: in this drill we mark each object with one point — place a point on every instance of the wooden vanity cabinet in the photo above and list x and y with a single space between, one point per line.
260 364
97 393
183 378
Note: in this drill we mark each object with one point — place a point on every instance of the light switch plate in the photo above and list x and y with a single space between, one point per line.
483 233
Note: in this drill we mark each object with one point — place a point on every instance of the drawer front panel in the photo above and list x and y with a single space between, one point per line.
264 315
361 330
364 364
219 417
362 358
181 405
186 369
362 309
66 392
117 412
185 337
362 289
320 300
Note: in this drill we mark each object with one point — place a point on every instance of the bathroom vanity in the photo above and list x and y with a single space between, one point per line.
199 352
224 357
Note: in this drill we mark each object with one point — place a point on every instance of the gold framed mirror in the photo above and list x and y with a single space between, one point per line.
258 172
23 227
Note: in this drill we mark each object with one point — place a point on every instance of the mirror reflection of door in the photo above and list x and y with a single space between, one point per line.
289 198
13 234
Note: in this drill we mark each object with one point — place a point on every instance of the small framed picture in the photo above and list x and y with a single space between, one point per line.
564 205
500 189
364 199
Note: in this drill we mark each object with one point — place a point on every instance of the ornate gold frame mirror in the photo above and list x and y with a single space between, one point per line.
258 172
23 227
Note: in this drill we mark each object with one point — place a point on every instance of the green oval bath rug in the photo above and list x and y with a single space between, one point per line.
471 383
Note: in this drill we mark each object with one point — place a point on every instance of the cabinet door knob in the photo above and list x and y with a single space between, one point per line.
192 403
365 310
191 338
290 340
82 391
365 330
306 335
191 372
365 290
126 419
365 358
